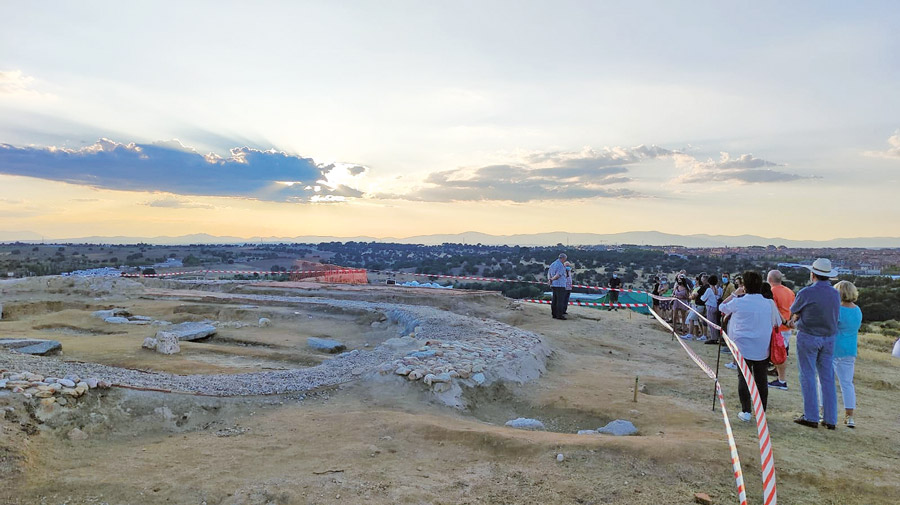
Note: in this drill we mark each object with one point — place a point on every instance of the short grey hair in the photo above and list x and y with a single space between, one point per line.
562 256
776 276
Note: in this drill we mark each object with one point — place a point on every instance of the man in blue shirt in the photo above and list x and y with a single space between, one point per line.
557 277
815 315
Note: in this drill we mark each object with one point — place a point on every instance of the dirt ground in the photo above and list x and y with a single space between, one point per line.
377 441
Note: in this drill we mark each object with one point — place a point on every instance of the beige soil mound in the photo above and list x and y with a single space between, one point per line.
366 443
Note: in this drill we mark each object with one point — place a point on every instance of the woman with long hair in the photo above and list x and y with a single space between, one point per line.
682 294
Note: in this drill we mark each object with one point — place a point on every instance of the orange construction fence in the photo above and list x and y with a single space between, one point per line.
322 272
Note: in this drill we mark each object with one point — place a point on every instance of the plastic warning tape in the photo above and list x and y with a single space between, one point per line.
389 272
496 279
767 459
589 304
766 456
732 446
260 272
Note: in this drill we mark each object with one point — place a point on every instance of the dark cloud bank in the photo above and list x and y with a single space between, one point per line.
174 168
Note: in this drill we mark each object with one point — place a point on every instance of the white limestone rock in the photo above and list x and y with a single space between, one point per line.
619 428
167 343
524 423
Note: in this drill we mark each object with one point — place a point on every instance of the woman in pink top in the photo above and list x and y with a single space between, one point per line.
682 294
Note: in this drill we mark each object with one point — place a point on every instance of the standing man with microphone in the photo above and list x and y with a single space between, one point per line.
557 278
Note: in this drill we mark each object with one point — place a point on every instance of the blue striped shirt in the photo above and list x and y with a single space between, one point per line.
557 268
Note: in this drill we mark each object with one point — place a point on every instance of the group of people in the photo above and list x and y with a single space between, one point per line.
753 312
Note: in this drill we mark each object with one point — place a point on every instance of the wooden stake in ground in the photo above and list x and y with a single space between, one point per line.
635 389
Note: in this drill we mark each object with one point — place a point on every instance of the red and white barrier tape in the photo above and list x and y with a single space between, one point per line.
589 304
766 456
735 459
496 279
390 272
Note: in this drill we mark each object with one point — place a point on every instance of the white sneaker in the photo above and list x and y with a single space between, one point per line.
745 416
701 338
731 366
849 422
687 337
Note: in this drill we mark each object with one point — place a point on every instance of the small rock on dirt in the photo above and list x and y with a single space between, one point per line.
560 458
77 434
702 498
524 423
264 322
619 428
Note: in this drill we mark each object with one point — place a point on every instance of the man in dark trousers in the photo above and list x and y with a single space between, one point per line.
557 277
615 283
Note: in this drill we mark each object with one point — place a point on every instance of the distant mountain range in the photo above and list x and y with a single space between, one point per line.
654 238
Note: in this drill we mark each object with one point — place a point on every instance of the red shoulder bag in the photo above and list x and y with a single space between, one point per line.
777 352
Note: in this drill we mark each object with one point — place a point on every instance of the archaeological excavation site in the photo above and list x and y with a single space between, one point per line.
219 391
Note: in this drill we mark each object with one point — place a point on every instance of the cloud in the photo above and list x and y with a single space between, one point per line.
176 203
891 152
549 175
607 156
744 169
172 167
16 85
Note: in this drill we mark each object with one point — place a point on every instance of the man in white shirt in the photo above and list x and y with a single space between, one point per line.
750 327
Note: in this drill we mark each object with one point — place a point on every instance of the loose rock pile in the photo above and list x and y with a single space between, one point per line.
50 390
479 359
95 272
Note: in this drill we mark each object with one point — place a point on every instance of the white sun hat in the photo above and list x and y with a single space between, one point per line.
822 266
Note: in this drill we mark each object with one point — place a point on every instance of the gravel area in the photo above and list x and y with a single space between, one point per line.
446 351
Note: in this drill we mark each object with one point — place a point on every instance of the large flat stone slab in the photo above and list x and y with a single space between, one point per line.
325 345
34 346
191 331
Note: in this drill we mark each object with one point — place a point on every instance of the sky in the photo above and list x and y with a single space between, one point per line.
402 118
